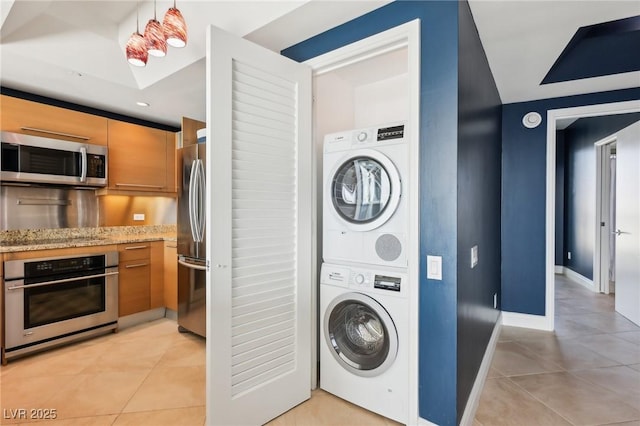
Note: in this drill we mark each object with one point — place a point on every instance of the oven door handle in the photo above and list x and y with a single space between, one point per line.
66 280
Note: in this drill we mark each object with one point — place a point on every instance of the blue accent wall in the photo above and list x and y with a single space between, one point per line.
478 205
524 198
580 198
455 143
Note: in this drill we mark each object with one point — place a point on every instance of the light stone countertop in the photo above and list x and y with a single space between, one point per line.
46 239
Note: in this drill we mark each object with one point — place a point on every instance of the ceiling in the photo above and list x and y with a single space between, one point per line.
74 50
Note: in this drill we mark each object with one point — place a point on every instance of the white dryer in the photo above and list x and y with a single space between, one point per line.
365 210
364 355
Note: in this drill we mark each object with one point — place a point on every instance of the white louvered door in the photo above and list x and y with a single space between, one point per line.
259 232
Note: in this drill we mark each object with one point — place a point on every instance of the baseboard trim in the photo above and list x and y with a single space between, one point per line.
580 279
559 269
171 314
474 397
140 317
537 322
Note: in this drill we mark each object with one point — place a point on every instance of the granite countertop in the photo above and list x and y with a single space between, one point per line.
45 239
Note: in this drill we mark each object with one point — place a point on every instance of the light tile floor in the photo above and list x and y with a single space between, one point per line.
586 373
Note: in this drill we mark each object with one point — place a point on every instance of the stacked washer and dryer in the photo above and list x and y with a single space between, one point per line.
364 303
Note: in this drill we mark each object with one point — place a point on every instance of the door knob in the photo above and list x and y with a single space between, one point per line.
619 232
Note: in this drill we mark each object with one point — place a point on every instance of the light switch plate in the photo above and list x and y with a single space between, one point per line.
138 216
434 267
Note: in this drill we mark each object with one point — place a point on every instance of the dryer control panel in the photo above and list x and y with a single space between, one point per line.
365 138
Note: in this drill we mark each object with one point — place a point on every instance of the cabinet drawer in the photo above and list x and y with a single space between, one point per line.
133 287
134 251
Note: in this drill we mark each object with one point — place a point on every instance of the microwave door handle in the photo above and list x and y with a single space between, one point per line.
83 164
192 200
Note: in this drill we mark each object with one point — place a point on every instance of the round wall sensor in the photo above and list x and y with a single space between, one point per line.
531 120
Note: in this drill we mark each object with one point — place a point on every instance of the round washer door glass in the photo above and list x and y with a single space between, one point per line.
361 334
365 190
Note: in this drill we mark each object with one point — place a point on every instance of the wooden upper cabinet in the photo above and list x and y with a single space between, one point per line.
138 158
172 163
37 119
189 130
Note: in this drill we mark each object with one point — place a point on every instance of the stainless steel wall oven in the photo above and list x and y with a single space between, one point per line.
57 299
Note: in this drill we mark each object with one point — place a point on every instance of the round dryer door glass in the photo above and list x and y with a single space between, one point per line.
361 190
361 334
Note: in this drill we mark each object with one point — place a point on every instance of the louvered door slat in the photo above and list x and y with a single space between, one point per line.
259 248
271 306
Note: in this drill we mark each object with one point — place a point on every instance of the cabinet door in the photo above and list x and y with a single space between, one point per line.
133 287
137 157
189 130
34 118
171 275
172 163
156 285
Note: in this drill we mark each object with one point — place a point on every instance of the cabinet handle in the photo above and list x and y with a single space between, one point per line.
172 246
51 132
136 185
136 265
136 247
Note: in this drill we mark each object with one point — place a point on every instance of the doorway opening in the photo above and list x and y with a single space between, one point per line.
605 249
555 118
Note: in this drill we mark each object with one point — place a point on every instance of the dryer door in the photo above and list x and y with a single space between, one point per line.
361 335
365 190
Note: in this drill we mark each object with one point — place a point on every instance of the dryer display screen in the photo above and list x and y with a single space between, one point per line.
387 283
395 132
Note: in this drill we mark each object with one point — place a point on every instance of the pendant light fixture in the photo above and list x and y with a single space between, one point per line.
156 42
175 28
137 47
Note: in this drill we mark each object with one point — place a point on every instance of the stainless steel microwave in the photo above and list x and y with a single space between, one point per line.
33 159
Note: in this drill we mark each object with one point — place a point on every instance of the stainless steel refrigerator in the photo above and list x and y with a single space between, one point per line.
191 240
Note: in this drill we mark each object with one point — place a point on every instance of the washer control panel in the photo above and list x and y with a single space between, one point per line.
392 133
361 278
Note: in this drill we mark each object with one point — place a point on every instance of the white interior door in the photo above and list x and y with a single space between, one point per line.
260 238
628 223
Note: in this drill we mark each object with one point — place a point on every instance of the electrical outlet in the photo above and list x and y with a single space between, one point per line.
495 300
138 216
569 255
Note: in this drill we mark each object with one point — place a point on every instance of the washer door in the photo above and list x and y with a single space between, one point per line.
365 190
361 335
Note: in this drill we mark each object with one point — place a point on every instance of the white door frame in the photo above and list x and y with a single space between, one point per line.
603 195
404 35
554 115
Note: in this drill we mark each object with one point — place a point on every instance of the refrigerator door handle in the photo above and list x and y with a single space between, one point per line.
202 188
192 265
192 200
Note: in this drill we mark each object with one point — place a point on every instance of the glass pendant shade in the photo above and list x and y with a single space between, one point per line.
156 43
175 28
137 50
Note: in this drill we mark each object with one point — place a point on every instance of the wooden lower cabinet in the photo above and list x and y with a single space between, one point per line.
134 277
141 279
171 275
133 287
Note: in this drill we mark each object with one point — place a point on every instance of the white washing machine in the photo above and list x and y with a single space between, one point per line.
364 355
365 210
